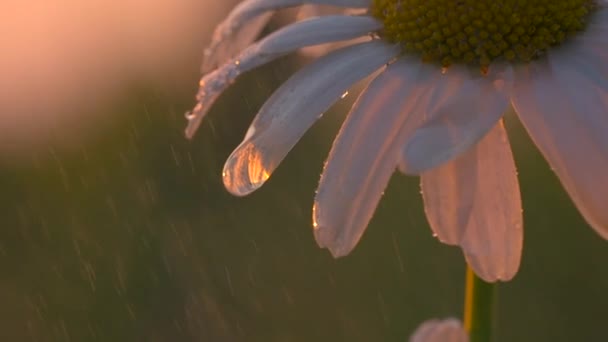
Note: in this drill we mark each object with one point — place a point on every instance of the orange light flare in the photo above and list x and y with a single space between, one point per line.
62 61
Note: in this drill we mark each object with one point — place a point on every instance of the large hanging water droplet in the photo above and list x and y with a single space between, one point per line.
246 170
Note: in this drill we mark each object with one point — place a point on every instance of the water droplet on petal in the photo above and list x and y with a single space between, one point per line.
344 95
315 223
246 170
211 86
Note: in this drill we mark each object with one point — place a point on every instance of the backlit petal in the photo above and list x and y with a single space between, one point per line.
245 22
449 330
460 120
591 47
566 115
441 89
305 33
474 201
308 11
294 107
364 156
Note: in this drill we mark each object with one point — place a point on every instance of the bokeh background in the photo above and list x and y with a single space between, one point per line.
114 227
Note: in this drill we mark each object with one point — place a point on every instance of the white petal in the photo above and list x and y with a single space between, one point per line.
464 116
245 22
308 11
600 18
449 330
591 46
318 30
441 89
294 107
304 33
227 43
592 68
364 156
566 115
595 35
474 201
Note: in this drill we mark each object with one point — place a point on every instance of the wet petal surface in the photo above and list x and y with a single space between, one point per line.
294 107
461 117
245 22
365 155
305 33
566 114
474 201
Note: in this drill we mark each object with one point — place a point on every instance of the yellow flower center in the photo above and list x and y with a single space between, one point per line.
478 32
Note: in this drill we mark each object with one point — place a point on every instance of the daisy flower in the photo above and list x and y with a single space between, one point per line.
445 72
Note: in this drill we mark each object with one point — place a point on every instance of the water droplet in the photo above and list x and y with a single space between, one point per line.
245 170
344 95
211 86
315 223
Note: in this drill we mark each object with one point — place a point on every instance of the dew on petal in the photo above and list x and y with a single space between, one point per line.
246 169
315 224
327 237
233 35
211 86
190 114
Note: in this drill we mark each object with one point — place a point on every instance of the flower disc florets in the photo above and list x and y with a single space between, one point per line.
478 32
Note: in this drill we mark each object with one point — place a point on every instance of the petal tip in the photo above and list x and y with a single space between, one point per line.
600 226
436 330
491 272
330 239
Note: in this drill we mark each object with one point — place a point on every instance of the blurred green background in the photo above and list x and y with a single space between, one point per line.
129 235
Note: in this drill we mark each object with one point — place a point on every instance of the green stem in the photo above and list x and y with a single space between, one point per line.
478 308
